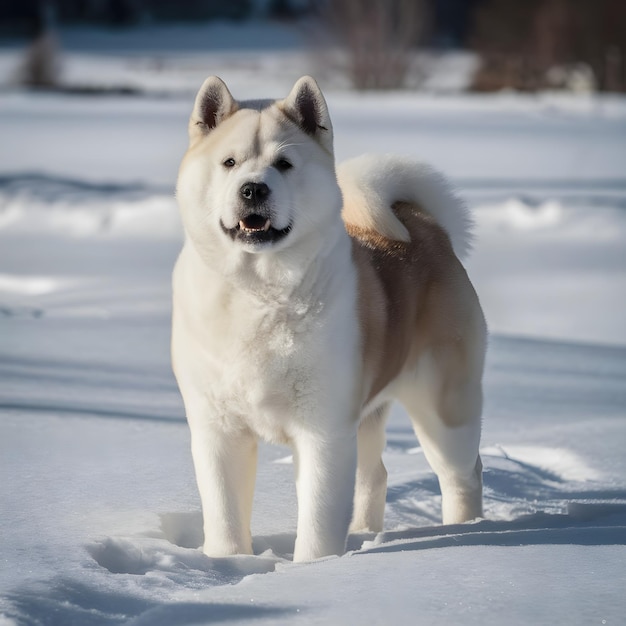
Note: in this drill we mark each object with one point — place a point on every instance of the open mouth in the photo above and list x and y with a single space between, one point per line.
255 228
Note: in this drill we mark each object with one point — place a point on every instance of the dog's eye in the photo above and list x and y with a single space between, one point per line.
229 162
282 165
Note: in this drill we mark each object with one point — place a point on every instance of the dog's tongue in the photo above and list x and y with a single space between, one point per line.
255 223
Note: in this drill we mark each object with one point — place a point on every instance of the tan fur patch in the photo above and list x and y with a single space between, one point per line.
416 299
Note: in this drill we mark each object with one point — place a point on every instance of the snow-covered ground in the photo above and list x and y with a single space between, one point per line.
99 515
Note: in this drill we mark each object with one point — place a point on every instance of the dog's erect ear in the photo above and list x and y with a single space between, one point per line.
214 103
305 106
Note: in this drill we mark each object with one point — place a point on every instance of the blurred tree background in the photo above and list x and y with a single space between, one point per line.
522 44
536 44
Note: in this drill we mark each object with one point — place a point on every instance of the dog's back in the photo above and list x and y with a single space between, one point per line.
408 232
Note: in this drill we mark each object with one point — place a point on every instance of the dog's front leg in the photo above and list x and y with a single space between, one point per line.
225 467
325 477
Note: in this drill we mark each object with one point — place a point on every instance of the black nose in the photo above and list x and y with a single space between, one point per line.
254 193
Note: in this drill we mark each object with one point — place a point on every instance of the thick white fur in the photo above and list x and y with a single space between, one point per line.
375 182
266 341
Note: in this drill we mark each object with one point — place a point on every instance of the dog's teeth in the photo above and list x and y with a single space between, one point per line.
254 229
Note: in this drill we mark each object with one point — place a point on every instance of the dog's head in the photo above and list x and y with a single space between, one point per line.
258 175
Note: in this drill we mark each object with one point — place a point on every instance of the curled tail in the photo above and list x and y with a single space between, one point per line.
371 184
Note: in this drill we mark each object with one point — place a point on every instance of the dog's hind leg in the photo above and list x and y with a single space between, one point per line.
446 416
371 475
459 473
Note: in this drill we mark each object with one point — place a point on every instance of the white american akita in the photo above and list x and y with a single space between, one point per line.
304 306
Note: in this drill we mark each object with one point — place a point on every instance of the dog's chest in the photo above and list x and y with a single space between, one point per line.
265 367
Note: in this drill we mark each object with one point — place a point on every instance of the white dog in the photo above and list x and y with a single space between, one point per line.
303 307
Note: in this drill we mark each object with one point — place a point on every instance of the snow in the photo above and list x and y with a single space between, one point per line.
100 518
